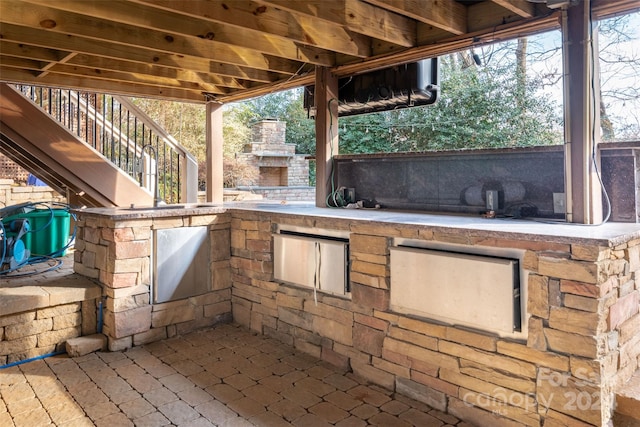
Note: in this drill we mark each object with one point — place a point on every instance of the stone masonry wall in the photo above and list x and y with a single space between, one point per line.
118 254
297 168
583 339
12 194
269 150
269 132
42 331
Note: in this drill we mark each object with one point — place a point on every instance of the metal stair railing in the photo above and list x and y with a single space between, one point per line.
118 129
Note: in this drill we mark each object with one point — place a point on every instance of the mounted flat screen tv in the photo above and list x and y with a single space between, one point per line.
402 86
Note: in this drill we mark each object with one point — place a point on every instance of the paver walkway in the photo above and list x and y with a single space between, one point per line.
223 376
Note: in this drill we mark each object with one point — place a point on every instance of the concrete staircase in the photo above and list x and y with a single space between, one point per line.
627 413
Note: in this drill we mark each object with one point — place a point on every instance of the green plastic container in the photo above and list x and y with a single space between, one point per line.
49 230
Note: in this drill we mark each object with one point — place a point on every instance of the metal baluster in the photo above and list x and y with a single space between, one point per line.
179 181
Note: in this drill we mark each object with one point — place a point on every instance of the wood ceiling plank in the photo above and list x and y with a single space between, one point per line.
140 79
97 48
22 63
355 16
31 52
253 16
142 16
488 14
51 20
137 68
428 35
522 8
40 70
379 23
447 15
98 85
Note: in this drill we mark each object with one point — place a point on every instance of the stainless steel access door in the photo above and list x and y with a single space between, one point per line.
311 262
181 266
463 289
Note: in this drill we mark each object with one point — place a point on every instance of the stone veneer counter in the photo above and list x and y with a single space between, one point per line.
611 233
608 233
582 304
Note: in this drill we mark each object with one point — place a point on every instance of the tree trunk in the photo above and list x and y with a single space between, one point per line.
608 133
521 72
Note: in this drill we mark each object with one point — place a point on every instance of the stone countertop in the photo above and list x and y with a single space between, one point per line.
608 234
162 211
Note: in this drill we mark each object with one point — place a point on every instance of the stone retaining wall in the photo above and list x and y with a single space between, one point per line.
583 341
37 332
12 194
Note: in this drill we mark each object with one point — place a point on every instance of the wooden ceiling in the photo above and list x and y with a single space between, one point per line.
229 50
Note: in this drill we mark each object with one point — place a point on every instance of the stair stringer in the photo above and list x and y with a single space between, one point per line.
42 146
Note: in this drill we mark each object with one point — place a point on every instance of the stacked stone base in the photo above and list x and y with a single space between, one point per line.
118 254
42 331
582 302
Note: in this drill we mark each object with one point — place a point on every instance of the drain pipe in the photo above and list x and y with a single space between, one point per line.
100 314
56 353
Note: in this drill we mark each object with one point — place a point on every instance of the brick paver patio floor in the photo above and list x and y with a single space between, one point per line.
223 376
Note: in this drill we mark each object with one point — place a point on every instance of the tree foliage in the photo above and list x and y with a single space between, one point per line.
479 107
619 54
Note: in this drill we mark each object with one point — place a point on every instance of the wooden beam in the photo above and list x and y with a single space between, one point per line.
99 85
355 16
259 90
486 15
21 50
143 80
150 18
380 24
102 49
448 15
582 188
56 69
50 20
154 70
214 141
522 8
21 63
249 15
326 99
453 44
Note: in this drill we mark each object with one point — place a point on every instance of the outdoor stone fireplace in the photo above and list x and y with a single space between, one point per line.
278 171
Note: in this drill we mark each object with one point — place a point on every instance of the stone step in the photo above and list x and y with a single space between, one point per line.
81 346
627 413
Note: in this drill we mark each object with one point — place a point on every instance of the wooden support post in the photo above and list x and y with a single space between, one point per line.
582 124
214 139
326 98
